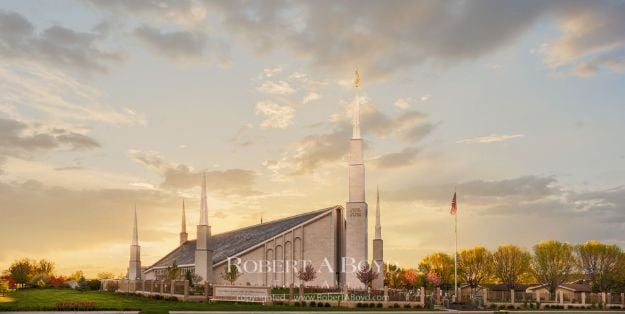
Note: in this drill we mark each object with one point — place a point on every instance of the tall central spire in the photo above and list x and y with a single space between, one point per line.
204 205
356 115
135 233
378 226
356 212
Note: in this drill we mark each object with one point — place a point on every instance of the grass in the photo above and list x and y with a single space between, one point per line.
47 299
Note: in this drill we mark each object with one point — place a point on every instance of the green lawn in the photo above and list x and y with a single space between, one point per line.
47 299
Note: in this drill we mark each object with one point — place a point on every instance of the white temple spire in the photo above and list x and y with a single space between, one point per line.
184 236
356 114
135 234
378 226
204 205
184 219
134 264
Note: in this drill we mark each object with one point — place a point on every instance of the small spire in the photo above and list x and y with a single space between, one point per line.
378 226
135 234
204 206
261 219
184 219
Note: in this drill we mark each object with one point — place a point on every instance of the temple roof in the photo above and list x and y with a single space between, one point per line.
233 242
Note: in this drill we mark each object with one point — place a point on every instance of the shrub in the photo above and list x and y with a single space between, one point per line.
418 306
112 286
94 284
171 298
372 304
379 305
327 304
296 303
320 304
492 306
396 305
406 306
312 303
511 307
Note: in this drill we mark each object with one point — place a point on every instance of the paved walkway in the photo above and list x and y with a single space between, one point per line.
398 312
73 312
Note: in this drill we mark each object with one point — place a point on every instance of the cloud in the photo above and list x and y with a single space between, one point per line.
493 138
318 150
29 87
592 37
18 139
269 72
276 116
403 158
311 96
509 190
180 45
180 177
183 45
403 103
407 34
56 45
276 88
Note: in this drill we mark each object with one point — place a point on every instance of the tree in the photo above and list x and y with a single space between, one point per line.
440 263
474 266
22 270
552 263
44 267
393 276
77 275
366 275
434 278
231 274
105 275
599 262
4 287
173 271
307 273
510 263
412 278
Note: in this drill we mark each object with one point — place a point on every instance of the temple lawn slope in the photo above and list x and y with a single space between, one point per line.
48 299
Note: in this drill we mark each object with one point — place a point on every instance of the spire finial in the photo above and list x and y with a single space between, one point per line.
378 226
135 234
204 205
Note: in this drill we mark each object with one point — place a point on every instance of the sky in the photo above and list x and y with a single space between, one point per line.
104 105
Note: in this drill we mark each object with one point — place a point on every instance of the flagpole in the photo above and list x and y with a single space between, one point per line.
456 258
456 251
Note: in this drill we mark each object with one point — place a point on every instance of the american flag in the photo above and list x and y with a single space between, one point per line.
454 209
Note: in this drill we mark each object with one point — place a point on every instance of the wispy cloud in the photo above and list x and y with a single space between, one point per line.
493 138
276 88
403 103
276 116
28 86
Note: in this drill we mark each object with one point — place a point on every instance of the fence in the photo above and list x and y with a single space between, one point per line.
567 299
180 289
